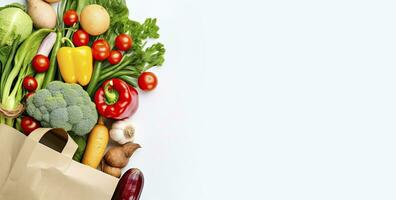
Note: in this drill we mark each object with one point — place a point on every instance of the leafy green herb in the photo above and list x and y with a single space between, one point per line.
140 57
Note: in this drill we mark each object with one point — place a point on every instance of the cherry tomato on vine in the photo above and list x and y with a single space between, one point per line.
147 81
40 63
123 42
100 50
30 83
80 38
70 17
29 124
115 57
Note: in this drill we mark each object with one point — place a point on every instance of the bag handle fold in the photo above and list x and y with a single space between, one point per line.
70 147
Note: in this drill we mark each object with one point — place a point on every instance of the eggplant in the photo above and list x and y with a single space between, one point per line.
130 185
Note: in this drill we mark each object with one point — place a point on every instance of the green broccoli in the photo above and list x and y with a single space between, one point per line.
63 105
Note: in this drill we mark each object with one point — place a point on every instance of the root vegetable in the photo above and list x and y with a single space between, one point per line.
97 143
119 156
114 171
42 14
95 19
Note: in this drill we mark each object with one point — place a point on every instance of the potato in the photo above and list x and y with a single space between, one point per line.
95 19
119 156
114 171
42 14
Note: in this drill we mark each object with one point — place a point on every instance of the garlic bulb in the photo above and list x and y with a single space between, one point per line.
122 131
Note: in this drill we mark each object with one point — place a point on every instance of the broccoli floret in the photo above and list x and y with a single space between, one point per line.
72 98
45 124
63 105
75 114
41 96
55 86
55 103
46 117
35 113
60 118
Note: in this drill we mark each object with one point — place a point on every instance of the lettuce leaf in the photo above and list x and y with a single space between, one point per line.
117 9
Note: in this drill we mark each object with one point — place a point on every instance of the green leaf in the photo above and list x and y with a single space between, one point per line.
150 29
80 4
154 55
4 54
14 22
82 143
117 9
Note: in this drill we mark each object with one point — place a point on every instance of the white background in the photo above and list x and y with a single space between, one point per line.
270 100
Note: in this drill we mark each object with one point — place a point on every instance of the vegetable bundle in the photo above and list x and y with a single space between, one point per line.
76 70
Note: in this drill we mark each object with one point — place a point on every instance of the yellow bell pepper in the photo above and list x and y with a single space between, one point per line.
75 64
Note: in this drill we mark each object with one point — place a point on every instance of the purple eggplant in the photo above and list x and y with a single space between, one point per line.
130 185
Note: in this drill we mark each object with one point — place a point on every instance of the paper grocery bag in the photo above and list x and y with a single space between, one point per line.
11 141
44 169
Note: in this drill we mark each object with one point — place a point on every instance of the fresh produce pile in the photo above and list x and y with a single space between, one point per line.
81 69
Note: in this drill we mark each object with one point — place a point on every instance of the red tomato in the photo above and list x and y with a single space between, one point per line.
147 81
115 57
29 83
123 42
80 38
29 124
100 50
40 63
28 95
70 17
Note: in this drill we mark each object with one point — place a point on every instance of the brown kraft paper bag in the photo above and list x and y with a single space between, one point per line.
44 170
11 141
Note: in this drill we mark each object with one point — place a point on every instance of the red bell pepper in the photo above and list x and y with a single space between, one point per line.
115 99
